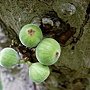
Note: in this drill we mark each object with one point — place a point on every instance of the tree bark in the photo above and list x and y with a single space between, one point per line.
72 71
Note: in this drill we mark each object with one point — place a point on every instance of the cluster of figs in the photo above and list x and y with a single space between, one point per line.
47 51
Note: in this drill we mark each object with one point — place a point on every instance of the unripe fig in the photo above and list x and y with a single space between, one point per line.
48 51
38 72
8 57
30 35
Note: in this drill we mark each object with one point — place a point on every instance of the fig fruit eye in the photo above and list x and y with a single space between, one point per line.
48 51
30 35
9 57
38 72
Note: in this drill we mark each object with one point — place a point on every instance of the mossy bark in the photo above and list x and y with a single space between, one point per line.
72 71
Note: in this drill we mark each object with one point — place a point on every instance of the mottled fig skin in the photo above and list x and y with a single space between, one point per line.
48 51
38 72
9 57
30 35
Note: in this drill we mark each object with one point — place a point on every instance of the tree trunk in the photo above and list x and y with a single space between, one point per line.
72 71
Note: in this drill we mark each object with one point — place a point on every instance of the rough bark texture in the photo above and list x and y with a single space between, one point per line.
72 71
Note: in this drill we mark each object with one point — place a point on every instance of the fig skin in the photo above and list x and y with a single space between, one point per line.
30 35
9 57
38 72
48 51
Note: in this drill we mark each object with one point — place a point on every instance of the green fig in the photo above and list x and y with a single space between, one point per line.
48 51
38 72
8 57
30 35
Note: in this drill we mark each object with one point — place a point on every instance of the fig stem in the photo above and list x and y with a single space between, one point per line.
25 62
28 63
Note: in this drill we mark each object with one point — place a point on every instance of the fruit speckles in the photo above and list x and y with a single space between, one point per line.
48 51
9 57
31 32
38 72
30 35
57 53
